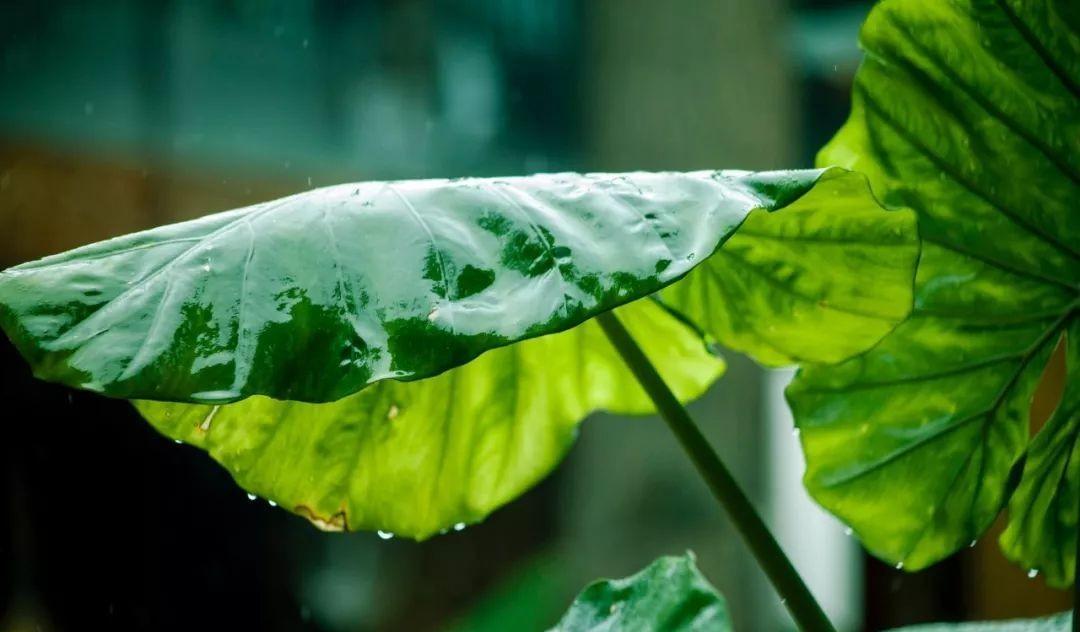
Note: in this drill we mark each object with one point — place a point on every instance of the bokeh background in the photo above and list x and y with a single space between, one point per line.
121 115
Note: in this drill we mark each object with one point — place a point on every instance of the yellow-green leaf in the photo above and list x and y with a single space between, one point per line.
416 458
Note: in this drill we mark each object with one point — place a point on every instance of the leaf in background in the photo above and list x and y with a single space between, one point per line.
1061 622
315 296
416 458
820 282
533 591
670 594
969 113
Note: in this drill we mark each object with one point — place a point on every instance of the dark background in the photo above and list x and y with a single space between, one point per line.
117 116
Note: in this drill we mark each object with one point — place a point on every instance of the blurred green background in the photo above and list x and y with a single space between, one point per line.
118 116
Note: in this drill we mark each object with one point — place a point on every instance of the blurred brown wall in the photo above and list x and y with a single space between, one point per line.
51 200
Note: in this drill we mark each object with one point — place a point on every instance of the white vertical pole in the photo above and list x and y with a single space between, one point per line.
827 558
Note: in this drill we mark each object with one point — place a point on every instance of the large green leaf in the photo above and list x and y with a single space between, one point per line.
323 293
415 458
314 296
1061 622
967 112
671 594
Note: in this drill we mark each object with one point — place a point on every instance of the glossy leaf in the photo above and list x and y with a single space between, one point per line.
670 594
820 282
314 296
967 112
416 458
1061 622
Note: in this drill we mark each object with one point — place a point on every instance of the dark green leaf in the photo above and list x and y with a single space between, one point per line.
314 296
671 594
967 112
317 296
1061 622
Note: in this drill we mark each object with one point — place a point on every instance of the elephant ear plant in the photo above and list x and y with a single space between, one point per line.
408 356
969 114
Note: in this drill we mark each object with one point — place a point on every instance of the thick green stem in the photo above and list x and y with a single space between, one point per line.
796 596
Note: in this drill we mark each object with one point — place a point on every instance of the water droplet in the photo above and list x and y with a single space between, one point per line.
795 433
206 267
1032 573
393 412
252 496
971 544
272 503
899 566
177 441
459 526
385 535
848 532
783 601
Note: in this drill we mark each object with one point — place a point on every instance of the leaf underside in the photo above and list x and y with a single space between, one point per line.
820 282
416 458
967 112
669 594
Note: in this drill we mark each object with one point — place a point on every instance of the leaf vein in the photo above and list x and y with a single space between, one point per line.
947 169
